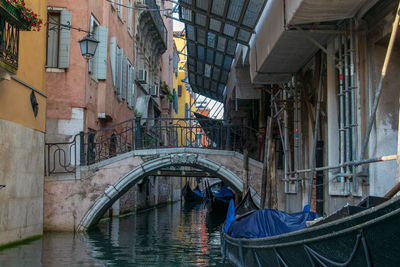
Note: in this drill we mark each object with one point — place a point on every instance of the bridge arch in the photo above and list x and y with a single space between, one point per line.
115 191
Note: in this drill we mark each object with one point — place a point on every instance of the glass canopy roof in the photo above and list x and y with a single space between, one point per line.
213 30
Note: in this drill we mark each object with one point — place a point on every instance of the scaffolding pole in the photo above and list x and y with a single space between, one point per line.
317 115
380 85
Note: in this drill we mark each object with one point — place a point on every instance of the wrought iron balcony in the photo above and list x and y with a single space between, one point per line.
10 25
157 19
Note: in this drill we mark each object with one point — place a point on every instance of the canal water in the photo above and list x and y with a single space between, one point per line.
174 235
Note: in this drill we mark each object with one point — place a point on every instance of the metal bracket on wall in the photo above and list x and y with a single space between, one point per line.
2 186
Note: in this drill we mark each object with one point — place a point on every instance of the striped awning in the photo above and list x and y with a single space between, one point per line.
213 30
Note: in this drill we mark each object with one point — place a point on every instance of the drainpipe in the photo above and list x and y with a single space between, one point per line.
347 109
296 129
353 107
286 141
341 117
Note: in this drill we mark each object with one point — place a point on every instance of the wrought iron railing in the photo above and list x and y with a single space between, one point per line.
61 157
143 133
157 18
9 43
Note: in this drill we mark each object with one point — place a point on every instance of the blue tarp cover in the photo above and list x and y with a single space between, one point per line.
199 193
225 192
269 222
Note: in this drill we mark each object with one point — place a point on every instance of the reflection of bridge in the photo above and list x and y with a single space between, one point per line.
105 164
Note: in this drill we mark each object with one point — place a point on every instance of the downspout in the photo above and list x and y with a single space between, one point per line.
353 107
286 141
347 110
341 117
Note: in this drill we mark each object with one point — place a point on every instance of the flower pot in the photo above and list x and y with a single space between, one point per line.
13 16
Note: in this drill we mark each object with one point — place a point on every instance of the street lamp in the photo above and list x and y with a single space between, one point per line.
88 46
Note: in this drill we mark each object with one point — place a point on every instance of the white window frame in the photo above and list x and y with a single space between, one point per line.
120 10
130 19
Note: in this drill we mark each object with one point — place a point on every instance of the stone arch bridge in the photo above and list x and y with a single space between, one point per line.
77 203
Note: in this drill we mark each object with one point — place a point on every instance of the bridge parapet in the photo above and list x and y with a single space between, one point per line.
89 148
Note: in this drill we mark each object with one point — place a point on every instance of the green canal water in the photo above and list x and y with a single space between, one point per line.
174 235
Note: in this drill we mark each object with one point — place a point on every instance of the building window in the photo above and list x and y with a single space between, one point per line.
58 39
179 90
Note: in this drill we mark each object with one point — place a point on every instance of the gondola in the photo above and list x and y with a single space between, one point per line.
365 235
192 195
218 203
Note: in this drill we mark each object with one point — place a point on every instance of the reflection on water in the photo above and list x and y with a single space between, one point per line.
169 236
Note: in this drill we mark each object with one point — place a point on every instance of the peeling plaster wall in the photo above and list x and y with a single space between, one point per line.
21 170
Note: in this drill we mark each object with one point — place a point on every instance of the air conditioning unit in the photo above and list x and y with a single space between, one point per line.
141 76
154 90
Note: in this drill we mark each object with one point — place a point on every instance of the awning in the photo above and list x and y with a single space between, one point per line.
142 106
213 30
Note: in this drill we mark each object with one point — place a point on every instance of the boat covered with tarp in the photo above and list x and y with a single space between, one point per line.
195 195
246 205
363 235
218 203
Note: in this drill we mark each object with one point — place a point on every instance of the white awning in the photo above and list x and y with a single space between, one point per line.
142 106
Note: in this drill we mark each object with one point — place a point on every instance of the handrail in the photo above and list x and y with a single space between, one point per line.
147 133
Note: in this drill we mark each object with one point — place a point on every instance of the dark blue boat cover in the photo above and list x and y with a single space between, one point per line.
199 193
269 222
224 192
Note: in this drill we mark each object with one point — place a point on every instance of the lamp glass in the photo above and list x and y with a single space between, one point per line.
88 46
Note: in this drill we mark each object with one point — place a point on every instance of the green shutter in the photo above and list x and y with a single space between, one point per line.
101 54
65 44
113 59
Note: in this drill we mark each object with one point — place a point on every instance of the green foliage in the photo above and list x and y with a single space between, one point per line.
138 114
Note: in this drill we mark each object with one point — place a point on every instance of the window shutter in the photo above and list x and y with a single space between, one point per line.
124 70
133 87
113 59
65 44
129 86
120 62
101 54
179 90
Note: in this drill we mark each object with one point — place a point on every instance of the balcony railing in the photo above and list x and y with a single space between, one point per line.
10 25
9 43
157 19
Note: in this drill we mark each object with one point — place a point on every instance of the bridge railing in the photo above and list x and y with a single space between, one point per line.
145 133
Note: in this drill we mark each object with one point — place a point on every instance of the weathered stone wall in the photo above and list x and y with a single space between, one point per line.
67 201
21 170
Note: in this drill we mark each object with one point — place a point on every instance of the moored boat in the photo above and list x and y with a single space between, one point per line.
190 195
218 203
367 238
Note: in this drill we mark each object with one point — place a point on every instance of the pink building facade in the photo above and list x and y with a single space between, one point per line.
133 56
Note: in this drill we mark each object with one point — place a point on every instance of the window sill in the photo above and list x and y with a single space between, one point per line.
54 70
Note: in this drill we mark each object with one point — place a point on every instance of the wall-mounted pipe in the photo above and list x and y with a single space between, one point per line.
353 107
341 117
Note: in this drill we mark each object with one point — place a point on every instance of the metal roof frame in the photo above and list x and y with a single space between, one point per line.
213 30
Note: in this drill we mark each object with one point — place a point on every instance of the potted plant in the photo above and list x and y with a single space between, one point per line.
16 12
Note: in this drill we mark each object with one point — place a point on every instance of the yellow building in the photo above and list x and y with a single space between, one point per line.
22 121
185 105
